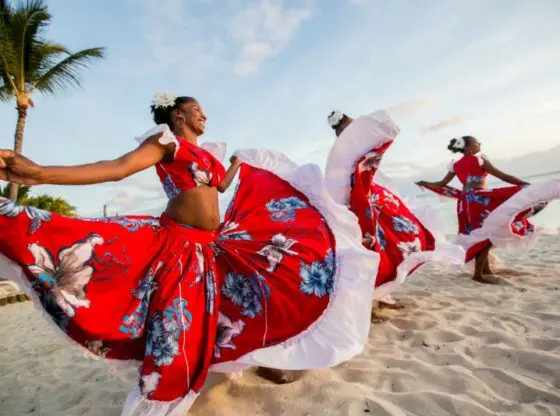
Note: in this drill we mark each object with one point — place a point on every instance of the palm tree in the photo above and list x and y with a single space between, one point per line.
43 201
52 204
22 195
29 62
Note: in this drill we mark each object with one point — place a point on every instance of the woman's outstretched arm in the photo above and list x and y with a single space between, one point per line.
19 169
448 178
492 170
230 174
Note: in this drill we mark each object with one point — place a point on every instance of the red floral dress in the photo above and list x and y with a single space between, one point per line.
259 290
389 227
475 205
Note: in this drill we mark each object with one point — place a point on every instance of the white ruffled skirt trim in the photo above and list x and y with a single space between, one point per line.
12 271
342 330
338 335
497 226
138 405
362 136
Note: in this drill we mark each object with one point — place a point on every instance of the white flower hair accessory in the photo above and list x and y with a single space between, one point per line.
458 144
335 118
163 100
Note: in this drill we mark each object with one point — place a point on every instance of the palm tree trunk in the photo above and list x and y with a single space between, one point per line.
18 144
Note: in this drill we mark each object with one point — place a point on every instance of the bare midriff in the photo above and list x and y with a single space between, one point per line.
197 208
469 186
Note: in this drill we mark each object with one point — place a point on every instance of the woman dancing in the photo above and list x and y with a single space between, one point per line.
389 227
282 283
480 221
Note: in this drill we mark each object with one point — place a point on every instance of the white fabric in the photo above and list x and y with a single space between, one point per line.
342 330
497 226
137 405
387 299
216 149
445 252
166 138
451 166
12 271
360 137
481 159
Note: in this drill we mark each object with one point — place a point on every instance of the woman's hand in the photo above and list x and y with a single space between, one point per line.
234 160
422 184
235 163
18 169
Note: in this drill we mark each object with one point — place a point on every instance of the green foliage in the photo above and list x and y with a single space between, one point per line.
28 61
43 201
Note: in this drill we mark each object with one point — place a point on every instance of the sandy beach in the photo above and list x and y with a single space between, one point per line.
458 348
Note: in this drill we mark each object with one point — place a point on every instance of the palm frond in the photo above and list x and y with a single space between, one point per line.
43 57
7 53
66 73
5 92
27 23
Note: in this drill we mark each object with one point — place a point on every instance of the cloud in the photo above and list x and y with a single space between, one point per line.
129 202
206 37
264 29
412 108
442 125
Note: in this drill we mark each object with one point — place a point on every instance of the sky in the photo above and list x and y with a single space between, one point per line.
268 72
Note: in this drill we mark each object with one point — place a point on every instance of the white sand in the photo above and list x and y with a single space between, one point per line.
459 348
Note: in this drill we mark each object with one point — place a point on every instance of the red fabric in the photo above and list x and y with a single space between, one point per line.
469 169
474 205
191 167
388 226
174 297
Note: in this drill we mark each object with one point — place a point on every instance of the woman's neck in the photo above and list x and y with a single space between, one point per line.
187 134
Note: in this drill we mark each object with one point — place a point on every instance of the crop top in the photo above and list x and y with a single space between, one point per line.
470 169
192 165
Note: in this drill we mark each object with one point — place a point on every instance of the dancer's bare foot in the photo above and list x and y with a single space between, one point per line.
377 318
481 279
487 271
395 306
279 376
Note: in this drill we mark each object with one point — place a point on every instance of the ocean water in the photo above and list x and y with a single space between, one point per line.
549 217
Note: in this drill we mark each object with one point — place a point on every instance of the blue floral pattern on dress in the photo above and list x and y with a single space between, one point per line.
380 236
404 225
475 179
317 278
474 197
284 209
164 331
12 209
226 331
169 187
246 292
211 290
133 324
134 224
229 231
